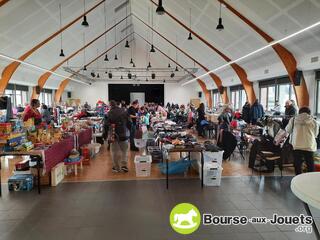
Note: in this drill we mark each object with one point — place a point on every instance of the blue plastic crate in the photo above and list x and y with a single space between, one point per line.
176 167
20 182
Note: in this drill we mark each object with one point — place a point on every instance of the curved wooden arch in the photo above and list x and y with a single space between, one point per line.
12 67
203 86
3 2
64 82
44 77
284 54
247 85
214 77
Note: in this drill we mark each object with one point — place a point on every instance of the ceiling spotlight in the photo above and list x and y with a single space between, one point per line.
93 74
149 65
98 76
131 61
190 36
160 10
172 75
110 75
129 75
169 66
115 57
85 22
84 68
106 58
220 26
152 48
176 69
127 44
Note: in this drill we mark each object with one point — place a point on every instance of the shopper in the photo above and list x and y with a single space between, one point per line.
46 116
118 125
201 120
256 112
132 112
289 112
20 109
32 111
303 129
246 112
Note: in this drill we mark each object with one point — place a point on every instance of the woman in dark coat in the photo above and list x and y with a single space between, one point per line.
201 116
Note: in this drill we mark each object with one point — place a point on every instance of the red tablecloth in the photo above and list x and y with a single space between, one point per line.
84 137
57 153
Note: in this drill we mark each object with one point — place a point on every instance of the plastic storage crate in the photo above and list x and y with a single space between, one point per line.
143 165
212 174
155 153
213 157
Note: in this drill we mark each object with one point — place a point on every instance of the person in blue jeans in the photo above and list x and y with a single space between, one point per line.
132 112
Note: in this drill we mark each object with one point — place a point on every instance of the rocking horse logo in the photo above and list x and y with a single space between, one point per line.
185 218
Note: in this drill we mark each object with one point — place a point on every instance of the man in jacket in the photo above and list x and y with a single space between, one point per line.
256 112
118 124
289 112
303 129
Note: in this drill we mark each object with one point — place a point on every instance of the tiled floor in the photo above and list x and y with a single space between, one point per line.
140 210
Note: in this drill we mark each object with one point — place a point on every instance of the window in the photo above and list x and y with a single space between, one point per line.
216 98
18 94
238 97
274 90
46 97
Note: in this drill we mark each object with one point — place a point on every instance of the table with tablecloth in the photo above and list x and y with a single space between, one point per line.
84 137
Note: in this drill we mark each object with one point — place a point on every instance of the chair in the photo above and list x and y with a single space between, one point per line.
265 156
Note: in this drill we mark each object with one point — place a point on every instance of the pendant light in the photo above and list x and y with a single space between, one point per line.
131 61
98 76
176 54
169 65
61 49
152 47
84 22
84 53
133 65
115 41
127 42
160 10
105 28
97 65
220 26
149 65
121 77
190 36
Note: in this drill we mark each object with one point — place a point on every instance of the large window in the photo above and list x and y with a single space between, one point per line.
18 94
238 97
46 97
274 90
216 98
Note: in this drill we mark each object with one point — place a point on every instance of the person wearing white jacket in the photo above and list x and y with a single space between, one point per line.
303 130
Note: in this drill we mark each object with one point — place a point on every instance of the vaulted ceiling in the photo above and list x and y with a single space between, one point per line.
25 23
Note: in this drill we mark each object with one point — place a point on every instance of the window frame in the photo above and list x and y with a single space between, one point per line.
318 98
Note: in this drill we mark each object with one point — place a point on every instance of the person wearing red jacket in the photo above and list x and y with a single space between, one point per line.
32 111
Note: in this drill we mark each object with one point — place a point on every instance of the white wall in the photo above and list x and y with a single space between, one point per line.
174 92
90 94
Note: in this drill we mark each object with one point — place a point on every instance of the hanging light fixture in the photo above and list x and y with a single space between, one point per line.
131 61
127 42
190 36
176 69
169 65
84 22
147 80
97 65
115 41
105 28
220 26
84 53
160 10
121 77
152 47
93 74
61 49
133 65
149 65
164 81
172 75
98 76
